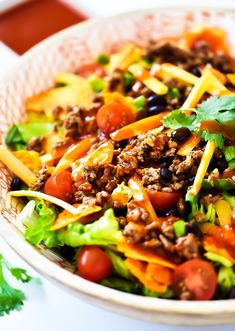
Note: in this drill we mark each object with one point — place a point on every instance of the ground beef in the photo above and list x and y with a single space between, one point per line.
135 213
188 247
104 199
167 244
127 164
185 165
42 177
209 198
168 230
148 146
188 59
74 123
134 232
36 144
83 190
79 122
115 80
150 175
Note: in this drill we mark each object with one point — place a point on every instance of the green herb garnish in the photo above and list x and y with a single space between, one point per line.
220 109
11 298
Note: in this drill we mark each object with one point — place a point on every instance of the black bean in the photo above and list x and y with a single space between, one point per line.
180 135
165 174
172 212
196 71
190 180
154 110
156 100
16 184
221 164
193 228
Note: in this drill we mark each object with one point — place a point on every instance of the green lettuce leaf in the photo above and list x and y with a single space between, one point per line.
220 109
19 135
166 295
218 258
39 229
226 278
230 199
120 284
119 266
104 231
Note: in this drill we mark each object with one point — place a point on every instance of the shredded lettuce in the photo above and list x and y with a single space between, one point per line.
226 278
225 184
38 228
119 266
166 295
124 285
104 231
218 258
229 153
230 199
19 135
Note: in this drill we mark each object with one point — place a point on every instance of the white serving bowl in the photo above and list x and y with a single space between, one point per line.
34 73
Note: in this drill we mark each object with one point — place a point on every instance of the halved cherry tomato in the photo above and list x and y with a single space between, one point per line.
163 201
60 186
114 116
194 280
89 69
94 264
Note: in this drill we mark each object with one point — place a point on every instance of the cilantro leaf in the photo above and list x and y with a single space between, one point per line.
21 274
177 119
216 137
11 298
221 109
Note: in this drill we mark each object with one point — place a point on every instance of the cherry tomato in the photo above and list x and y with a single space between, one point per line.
113 116
195 278
163 201
60 185
94 264
89 69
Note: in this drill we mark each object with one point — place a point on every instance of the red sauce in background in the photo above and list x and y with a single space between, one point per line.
30 22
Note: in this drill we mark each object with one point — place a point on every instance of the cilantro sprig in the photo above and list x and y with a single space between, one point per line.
220 109
10 297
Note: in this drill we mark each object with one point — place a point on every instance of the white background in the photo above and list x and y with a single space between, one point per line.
47 307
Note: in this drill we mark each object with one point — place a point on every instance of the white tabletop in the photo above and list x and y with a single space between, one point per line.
47 307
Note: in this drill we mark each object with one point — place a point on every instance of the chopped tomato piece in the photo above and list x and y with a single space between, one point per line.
114 116
60 185
194 280
163 201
